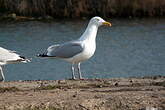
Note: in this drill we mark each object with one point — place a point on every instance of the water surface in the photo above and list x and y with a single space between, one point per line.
128 48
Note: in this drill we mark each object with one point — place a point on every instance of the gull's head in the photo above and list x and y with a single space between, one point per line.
98 21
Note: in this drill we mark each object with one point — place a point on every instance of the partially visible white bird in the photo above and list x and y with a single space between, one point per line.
9 57
78 50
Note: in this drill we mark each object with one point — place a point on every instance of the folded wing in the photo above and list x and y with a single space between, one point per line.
66 50
8 56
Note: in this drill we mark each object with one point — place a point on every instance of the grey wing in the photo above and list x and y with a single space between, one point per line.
53 47
66 50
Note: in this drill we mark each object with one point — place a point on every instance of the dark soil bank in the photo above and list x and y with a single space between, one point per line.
84 8
91 94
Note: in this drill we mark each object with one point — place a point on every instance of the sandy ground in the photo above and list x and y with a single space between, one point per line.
91 94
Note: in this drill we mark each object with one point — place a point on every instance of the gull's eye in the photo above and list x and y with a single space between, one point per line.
97 19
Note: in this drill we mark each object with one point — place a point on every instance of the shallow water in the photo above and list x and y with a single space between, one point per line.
128 48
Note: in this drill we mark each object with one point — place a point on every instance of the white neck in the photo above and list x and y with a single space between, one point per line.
90 33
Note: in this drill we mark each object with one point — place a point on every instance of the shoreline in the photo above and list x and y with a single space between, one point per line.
14 18
92 94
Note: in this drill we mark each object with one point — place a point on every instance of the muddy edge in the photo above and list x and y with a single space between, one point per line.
91 94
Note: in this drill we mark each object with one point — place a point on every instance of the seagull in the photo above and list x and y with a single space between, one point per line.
9 57
79 50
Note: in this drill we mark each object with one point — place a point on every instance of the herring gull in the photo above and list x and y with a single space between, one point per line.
9 57
79 50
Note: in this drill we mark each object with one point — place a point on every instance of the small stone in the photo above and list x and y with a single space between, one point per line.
74 95
116 84
49 17
13 15
61 82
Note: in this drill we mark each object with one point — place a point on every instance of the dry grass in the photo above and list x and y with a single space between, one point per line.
84 8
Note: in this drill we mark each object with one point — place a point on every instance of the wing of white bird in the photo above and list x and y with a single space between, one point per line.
65 50
53 47
8 56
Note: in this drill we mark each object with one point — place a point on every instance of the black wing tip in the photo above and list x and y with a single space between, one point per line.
42 55
24 59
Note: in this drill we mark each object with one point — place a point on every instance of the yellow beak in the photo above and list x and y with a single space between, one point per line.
107 23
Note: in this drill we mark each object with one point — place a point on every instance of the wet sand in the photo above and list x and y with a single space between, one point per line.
90 94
